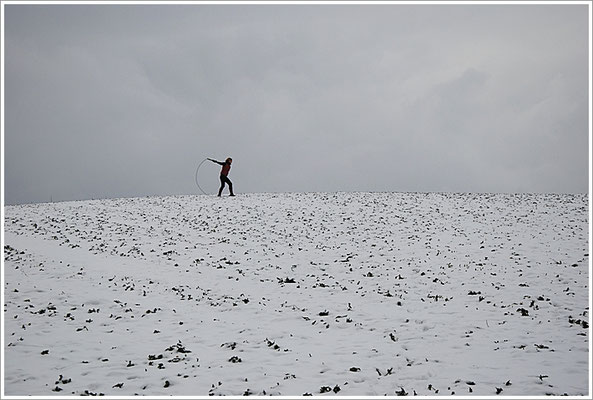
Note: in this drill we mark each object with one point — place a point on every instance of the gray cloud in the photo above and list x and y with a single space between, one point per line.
117 100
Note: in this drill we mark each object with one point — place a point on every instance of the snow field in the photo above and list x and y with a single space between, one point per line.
348 294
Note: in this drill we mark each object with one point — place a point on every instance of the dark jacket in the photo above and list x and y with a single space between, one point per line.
226 167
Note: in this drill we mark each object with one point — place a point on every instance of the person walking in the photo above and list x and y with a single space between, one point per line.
224 175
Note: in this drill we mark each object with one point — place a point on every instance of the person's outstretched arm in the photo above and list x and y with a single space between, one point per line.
217 162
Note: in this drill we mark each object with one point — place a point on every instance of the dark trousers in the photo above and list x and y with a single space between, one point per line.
223 180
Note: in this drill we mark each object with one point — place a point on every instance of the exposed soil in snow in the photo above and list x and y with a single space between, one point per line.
296 294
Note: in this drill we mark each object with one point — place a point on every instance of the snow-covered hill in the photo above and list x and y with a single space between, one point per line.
292 294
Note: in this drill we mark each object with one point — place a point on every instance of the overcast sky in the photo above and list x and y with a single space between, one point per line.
125 100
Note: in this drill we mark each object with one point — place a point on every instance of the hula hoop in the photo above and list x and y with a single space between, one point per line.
197 169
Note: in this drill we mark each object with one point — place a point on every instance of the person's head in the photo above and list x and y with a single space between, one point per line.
229 160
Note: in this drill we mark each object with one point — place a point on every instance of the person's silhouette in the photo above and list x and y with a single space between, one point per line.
224 172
